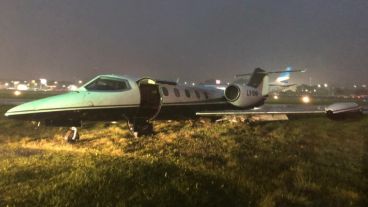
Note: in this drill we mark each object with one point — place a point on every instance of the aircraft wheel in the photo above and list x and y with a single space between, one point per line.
142 128
72 135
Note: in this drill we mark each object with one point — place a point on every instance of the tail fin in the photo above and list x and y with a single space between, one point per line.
257 77
260 80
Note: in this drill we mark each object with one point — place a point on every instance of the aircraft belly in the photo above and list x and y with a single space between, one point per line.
83 114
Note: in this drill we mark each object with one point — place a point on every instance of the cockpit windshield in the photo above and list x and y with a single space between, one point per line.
106 84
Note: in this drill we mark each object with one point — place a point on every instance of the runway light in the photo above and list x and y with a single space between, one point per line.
276 97
306 99
17 93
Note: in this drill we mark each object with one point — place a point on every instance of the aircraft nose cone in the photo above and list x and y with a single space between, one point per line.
20 109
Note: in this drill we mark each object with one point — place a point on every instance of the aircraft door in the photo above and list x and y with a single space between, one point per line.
150 104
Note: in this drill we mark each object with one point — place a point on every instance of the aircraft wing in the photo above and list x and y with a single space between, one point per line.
270 109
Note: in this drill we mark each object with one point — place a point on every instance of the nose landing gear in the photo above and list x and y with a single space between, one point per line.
72 135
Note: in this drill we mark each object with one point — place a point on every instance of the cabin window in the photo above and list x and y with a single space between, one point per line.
104 84
165 91
187 93
177 93
205 95
197 94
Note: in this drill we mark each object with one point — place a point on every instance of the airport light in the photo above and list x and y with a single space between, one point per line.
72 88
22 87
306 99
43 81
17 93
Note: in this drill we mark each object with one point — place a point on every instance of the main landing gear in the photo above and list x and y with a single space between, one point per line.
141 127
72 135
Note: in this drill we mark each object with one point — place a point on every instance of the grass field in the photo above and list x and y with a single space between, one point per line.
304 162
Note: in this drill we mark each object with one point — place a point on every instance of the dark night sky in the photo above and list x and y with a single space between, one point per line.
190 39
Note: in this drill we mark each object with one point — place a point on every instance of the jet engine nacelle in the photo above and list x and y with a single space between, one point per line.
243 96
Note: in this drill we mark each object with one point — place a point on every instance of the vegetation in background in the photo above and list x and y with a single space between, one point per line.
304 162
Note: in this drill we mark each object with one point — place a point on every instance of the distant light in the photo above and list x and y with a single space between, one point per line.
149 82
43 81
276 97
228 83
80 81
22 87
33 81
218 82
185 83
72 88
55 82
64 86
364 86
355 86
306 99
325 85
306 90
315 90
6 84
193 84
17 93
319 86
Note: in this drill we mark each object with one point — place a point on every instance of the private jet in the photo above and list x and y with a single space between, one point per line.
140 101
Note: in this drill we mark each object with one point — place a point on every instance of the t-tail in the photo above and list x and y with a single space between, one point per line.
260 80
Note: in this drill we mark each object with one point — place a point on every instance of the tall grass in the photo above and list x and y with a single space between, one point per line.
305 162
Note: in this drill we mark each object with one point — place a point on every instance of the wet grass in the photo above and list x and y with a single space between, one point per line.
304 162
